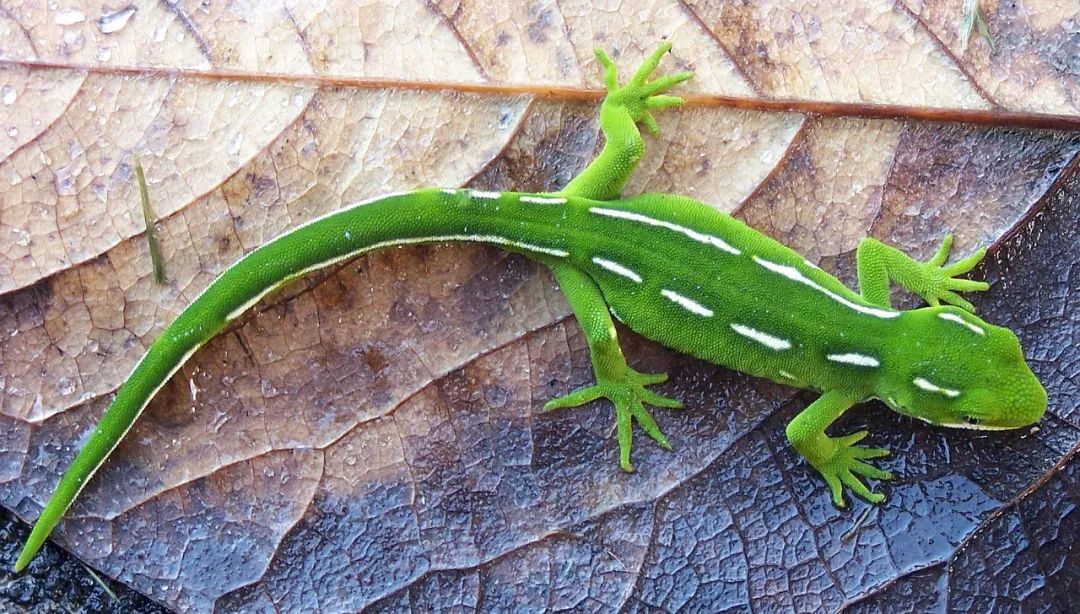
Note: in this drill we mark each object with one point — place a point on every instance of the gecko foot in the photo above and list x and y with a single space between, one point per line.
846 467
629 394
941 283
641 96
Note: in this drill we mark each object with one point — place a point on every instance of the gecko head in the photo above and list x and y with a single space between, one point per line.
950 368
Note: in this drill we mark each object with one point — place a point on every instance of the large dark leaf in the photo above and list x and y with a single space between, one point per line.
371 436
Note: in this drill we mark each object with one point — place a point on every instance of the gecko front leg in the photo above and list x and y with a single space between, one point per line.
615 380
837 459
932 280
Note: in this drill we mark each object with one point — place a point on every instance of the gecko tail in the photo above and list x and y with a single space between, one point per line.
422 216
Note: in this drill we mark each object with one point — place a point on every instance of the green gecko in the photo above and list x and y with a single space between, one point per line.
671 269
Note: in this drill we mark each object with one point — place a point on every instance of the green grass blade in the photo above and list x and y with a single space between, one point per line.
148 217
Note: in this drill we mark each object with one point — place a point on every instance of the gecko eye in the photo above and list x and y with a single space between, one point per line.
972 420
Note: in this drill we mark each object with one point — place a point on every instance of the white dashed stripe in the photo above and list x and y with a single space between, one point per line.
449 191
618 269
796 275
976 427
487 195
929 386
861 360
644 219
343 210
786 374
543 200
689 304
529 247
235 313
138 412
952 317
769 341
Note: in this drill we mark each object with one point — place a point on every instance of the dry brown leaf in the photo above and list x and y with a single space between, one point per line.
374 431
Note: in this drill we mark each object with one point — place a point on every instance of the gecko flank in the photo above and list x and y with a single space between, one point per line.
675 271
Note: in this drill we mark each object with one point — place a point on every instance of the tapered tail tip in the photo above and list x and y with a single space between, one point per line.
25 557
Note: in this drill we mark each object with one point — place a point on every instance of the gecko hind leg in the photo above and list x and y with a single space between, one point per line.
623 108
615 380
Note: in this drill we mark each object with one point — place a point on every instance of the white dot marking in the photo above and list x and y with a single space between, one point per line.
618 269
644 219
543 200
861 360
769 341
952 317
929 386
796 275
686 303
